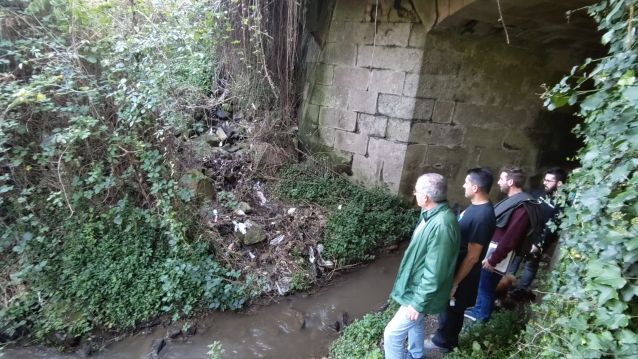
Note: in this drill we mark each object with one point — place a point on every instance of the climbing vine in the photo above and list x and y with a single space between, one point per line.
592 310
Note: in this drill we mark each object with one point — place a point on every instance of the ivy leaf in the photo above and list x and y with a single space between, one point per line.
627 337
607 274
631 94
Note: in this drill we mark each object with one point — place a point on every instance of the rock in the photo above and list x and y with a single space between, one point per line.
173 331
191 329
212 139
221 134
244 207
201 185
221 114
292 320
156 348
254 234
63 339
267 156
85 350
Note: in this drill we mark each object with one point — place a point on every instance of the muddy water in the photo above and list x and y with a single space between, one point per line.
272 331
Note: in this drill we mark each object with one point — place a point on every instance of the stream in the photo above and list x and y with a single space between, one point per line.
297 326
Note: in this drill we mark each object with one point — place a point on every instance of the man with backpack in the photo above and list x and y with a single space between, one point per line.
553 179
516 218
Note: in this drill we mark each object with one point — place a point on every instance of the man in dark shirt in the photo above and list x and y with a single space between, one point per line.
477 225
512 225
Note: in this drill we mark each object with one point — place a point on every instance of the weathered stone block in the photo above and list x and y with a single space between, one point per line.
372 125
327 135
405 107
350 10
387 81
393 155
444 160
367 170
324 74
341 119
351 142
441 87
351 77
361 33
394 58
436 134
311 114
393 34
443 111
491 117
329 96
417 36
339 54
399 129
362 101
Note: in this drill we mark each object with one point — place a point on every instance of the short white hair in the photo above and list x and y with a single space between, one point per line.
433 185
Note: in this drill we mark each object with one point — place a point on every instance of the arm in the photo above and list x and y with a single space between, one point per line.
473 255
442 250
514 233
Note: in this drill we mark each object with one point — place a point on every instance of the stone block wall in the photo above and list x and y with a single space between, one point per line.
394 103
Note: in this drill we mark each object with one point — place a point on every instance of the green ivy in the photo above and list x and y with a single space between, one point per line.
592 308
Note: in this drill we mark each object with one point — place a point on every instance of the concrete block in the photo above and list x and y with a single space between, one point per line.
478 136
351 142
393 155
393 58
389 34
443 111
417 36
337 31
324 74
442 87
351 77
329 96
399 129
387 81
405 107
372 125
367 170
436 134
339 54
344 120
362 101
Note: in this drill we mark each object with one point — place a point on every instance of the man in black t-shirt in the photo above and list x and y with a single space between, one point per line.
477 225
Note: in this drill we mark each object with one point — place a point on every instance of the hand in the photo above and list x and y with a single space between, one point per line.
487 266
454 288
412 313
534 249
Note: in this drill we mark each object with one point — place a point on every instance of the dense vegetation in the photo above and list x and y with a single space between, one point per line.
593 306
96 101
360 221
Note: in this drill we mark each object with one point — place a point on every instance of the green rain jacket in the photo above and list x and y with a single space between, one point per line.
427 270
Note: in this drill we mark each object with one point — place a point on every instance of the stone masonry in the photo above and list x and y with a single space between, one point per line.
391 100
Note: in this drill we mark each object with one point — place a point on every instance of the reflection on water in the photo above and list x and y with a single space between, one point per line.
297 326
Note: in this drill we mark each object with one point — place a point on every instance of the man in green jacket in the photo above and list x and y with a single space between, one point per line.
426 272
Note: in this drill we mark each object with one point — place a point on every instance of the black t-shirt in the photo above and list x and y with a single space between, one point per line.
477 225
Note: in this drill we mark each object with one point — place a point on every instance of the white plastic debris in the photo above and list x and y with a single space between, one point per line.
339 207
215 215
292 210
277 240
261 197
252 256
239 212
241 227
221 134
311 255
319 248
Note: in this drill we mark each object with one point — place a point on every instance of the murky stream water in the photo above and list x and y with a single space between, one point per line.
273 331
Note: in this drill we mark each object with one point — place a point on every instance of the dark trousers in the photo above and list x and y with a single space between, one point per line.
450 325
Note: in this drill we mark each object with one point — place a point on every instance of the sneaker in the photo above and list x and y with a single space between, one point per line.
469 314
429 345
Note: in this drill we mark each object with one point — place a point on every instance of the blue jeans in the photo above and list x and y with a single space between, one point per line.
486 295
529 270
398 329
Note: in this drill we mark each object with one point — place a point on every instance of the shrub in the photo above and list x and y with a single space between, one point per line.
360 221
361 339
